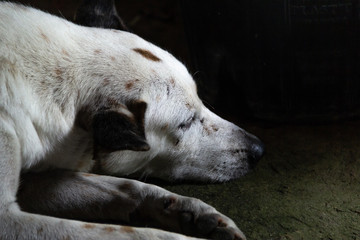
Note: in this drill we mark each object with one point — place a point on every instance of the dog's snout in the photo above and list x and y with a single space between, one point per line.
256 149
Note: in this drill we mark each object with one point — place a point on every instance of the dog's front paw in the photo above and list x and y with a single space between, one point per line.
210 225
195 218
188 216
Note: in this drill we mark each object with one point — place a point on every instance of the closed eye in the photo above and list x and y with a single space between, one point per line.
187 124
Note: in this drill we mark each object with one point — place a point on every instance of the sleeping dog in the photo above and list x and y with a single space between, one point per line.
77 99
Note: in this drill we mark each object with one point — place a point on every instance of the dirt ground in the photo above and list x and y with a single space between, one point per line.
307 186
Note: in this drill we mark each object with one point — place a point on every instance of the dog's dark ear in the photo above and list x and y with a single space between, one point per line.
99 13
116 130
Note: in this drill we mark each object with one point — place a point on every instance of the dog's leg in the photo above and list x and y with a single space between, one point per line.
16 224
102 198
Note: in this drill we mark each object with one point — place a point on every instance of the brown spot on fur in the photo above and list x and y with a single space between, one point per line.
88 175
221 223
64 52
112 58
89 226
97 51
126 187
188 105
114 193
43 36
127 229
40 230
65 55
111 101
106 82
66 238
172 81
130 84
59 72
215 128
208 131
147 54
109 229
165 127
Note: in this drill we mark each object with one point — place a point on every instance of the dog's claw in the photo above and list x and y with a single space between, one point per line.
209 225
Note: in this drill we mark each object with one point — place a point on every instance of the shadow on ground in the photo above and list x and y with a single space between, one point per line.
306 187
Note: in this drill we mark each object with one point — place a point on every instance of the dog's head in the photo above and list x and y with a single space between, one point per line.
157 126
153 123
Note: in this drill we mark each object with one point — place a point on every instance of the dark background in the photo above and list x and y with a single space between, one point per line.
284 61
287 71
277 60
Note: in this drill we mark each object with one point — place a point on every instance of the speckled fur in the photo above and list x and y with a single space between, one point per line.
54 77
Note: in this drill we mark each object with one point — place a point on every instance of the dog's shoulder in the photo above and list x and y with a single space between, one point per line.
32 90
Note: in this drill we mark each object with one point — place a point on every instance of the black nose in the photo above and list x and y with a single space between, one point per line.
256 149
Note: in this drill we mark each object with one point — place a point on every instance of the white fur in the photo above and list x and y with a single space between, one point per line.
51 69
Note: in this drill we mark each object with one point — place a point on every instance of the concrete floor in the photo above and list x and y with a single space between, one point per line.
306 187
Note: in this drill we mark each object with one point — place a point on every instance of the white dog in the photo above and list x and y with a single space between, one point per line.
76 99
